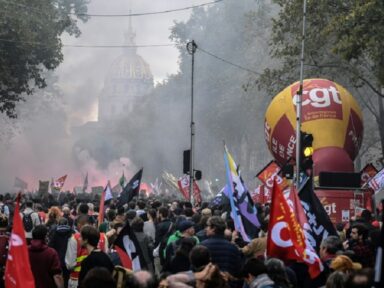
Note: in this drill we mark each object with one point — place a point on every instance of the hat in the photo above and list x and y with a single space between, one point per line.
344 263
184 225
206 212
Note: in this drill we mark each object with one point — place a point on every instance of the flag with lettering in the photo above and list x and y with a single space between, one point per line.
243 211
318 219
377 181
286 239
131 189
18 273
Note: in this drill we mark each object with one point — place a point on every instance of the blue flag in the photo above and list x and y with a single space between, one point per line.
243 211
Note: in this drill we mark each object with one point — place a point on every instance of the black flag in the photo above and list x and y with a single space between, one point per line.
128 249
131 189
318 218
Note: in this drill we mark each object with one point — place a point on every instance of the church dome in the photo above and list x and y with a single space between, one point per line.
130 66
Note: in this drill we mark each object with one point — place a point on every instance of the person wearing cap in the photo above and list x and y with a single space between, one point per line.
185 229
344 264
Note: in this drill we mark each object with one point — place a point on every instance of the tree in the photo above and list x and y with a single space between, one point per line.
30 44
343 42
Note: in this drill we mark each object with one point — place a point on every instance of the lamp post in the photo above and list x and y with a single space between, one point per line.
299 101
191 48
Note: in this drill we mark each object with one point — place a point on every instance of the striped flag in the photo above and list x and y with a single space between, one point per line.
243 211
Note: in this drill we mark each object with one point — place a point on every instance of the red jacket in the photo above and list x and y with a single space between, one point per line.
44 263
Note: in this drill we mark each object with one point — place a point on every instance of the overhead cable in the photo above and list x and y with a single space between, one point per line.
228 62
122 15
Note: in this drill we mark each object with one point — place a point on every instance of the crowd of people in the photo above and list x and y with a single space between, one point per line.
178 246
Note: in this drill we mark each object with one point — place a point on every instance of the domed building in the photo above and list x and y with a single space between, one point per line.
128 79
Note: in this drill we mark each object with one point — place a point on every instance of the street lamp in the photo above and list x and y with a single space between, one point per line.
191 48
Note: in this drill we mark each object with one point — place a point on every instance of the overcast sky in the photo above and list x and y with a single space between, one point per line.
84 69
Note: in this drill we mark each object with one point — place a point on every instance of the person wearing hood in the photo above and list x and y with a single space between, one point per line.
59 241
45 262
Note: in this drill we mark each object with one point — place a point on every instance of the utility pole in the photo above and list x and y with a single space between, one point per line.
299 101
191 48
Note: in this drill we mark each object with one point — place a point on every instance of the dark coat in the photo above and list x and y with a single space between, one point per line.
225 254
162 229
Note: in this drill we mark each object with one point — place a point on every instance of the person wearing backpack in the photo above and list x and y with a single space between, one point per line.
30 220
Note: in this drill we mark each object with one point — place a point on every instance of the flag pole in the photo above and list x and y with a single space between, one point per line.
191 48
299 100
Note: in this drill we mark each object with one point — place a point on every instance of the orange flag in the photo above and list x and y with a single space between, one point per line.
18 273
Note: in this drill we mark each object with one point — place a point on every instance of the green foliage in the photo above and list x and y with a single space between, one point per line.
343 42
30 44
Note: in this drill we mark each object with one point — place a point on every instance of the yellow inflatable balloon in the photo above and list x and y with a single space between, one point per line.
329 113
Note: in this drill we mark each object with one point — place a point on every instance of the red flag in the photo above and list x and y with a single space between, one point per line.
286 239
183 184
18 271
59 183
196 194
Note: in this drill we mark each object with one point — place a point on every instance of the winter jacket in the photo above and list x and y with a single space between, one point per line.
225 254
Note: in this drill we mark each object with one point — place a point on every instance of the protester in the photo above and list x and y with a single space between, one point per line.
255 274
358 244
98 277
4 245
146 245
30 220
45 262
223 253
90 237
59 242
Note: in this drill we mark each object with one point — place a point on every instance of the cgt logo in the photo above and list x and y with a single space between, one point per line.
319 97
281 238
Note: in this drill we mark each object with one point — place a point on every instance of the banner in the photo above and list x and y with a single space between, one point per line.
183 184
318 219
43 187
377 181
97 190
269 173
261 195
367 173
243 211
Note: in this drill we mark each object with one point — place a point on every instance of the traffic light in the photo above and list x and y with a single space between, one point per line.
306 151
